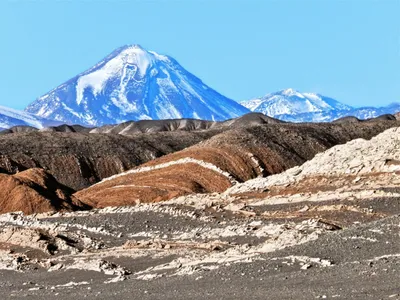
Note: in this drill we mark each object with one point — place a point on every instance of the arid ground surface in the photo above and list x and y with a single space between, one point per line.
326 228
346 249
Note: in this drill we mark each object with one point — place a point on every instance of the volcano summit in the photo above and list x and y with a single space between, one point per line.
134 84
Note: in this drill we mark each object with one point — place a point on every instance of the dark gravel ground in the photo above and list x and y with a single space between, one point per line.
353 276
365 265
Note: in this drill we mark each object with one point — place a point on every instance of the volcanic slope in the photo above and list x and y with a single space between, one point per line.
134 84
35 191
10 117
224 160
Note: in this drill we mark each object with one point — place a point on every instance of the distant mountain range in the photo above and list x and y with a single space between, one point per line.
293 106
10 117
134 84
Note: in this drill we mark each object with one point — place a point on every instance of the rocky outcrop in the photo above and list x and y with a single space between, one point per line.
35 191
225 160
358 157
150 126
67 128
18 129
132 127
79 160
155 184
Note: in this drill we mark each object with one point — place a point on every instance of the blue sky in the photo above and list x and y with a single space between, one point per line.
349 50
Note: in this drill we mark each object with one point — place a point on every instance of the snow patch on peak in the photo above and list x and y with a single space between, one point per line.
291 92
161 57
132 59
252 104
136 55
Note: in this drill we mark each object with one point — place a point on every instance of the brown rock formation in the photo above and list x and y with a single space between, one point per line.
35 191
245 147
79 160
154 186
233 156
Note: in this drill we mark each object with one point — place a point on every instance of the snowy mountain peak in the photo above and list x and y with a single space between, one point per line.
133 46
294 106
134 84
287 103
290 92
129 60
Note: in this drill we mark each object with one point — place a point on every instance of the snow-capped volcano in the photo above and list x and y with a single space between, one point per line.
290 102
10 117
134 84
291 105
